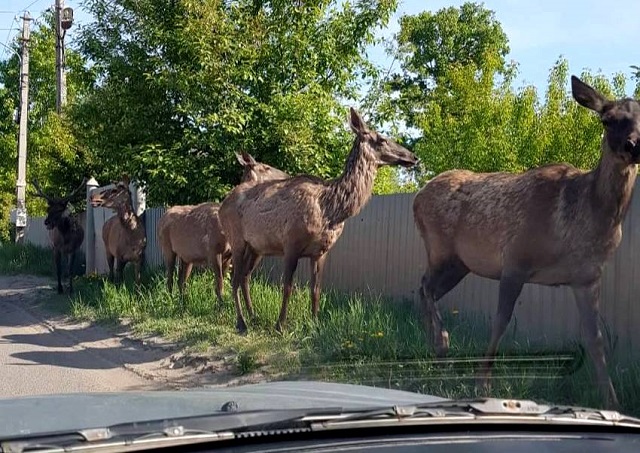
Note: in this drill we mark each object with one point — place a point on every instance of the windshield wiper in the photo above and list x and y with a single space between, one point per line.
235 425
170 432
485 410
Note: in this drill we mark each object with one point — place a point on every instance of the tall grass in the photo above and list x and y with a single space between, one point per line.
25 259
356 339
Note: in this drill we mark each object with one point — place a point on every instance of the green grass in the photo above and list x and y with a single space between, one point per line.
363 340
25 259
356 339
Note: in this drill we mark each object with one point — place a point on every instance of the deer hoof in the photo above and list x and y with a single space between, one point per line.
241 326
442 344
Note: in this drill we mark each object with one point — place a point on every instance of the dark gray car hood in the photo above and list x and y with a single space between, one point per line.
64 412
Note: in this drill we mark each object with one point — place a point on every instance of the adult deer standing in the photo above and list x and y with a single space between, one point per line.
194 235
65 232
302 216
124 234
552 225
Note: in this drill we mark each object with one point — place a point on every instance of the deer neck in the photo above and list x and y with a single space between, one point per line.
613 183
345 196
127 216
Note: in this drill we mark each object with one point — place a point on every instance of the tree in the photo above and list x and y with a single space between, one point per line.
54 157
182 85
455 93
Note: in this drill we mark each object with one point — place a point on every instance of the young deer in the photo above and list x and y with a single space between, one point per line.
65 232
193 234
302 216
552 225
123 234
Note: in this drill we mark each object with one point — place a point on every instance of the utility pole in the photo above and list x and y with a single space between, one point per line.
21 183
61 79
64 20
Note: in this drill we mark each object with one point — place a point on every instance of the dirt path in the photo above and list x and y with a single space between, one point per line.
43 353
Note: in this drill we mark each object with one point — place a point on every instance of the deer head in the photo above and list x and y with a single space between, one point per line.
621 121
257 171
114 197
382 149
57 208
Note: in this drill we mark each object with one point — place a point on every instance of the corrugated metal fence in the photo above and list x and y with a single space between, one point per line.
381 252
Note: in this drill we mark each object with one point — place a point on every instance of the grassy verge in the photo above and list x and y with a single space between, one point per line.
25 259
357 339
364 340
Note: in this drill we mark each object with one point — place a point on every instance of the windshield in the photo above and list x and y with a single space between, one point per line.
429 197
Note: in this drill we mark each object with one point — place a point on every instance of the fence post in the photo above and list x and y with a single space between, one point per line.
90 231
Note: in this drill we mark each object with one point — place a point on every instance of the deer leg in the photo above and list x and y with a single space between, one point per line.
251 261
219 276
236 279
317 267
510 288
110 262
170 264
290 265
436 282
588 301
57 258
72 258
120 270
138 270
183 276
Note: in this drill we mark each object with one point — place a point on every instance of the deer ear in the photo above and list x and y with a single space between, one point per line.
246 159
356 122
587 96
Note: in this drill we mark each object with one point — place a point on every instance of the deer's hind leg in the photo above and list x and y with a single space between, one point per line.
57 259
170 265
440 278
251 260
511 283
111 262
72 259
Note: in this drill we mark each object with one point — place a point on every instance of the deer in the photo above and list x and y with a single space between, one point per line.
193 234
302 216
554 225
124 234
65 232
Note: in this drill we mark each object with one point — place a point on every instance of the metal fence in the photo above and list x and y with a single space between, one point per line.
380 252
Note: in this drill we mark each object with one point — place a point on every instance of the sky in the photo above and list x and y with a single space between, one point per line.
594 34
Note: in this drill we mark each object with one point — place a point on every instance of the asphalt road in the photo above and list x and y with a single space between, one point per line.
42 355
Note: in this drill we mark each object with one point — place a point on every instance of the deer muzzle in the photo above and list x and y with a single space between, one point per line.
632 147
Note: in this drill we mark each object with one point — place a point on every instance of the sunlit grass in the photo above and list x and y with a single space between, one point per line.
356 339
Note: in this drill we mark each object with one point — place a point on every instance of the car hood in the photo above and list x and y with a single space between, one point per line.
74 411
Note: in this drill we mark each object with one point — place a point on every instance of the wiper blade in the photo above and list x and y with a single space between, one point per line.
486 410
178 431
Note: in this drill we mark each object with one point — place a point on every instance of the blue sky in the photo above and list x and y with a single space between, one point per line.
594 34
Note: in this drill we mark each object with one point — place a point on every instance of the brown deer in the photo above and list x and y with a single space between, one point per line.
552 225
193 234
302 216
65 232
123 234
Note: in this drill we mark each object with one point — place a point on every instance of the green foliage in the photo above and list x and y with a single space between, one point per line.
25 259
184 84
54 156
456 93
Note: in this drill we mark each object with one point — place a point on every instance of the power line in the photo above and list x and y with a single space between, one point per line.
31 4
6 42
